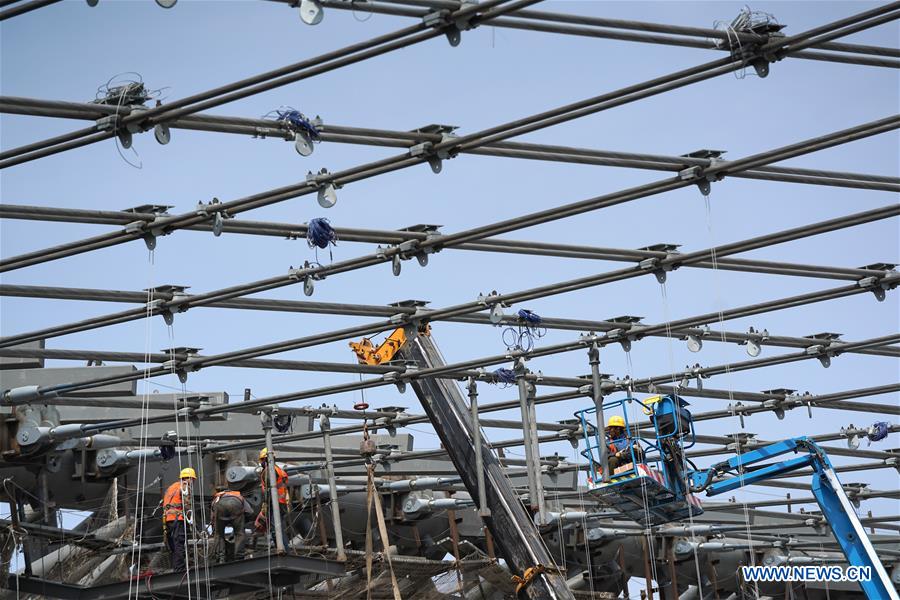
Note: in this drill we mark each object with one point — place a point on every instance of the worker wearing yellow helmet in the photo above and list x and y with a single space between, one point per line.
176 507
281 489
619 444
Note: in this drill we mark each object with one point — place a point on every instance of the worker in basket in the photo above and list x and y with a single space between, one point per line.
228 508
176 516
281 488
620 446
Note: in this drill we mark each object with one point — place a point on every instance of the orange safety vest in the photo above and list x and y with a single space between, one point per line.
173 504
227 493
281 479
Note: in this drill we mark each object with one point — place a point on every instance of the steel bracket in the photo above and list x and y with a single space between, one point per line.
218 216
399 319
820 351
397 379
879 286
754 341
434 158
440 19
107 123
697 174
308 279
655 266
495 305
326 186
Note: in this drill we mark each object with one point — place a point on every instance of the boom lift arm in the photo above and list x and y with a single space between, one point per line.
827 489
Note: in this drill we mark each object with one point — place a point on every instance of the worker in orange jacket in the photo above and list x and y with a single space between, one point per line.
281 489
620 445
176 514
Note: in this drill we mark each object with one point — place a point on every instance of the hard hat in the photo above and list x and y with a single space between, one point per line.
188 473
615 421
263 453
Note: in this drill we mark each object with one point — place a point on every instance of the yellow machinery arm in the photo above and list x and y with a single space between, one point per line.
368 354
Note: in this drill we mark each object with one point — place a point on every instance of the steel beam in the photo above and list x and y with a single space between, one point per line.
310 274
393 237
779 49
401 139
270 80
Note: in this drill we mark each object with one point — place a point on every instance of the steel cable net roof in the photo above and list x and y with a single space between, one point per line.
699 199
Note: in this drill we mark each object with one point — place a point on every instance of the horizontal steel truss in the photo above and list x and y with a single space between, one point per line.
295 231
617 29
261 128
878 281
772 50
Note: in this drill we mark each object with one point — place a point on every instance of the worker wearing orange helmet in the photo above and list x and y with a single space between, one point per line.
176 515
619 444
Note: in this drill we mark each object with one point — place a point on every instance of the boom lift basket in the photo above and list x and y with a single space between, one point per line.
650 489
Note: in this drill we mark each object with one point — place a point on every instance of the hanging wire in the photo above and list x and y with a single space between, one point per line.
730 387
523 334
747 21
140 504
685 484
124 90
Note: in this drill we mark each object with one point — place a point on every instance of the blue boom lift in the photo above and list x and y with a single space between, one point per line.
650 488
827 489
655 487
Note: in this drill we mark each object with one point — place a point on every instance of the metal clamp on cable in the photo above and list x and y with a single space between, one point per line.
820 351
426 149
657 267
396 377
179 363
308 274
323 181
452 28
162 307
880 285
496 306
211 210
146 231
700 177
411 248
112 123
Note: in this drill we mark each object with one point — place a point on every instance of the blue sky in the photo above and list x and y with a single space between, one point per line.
67 50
